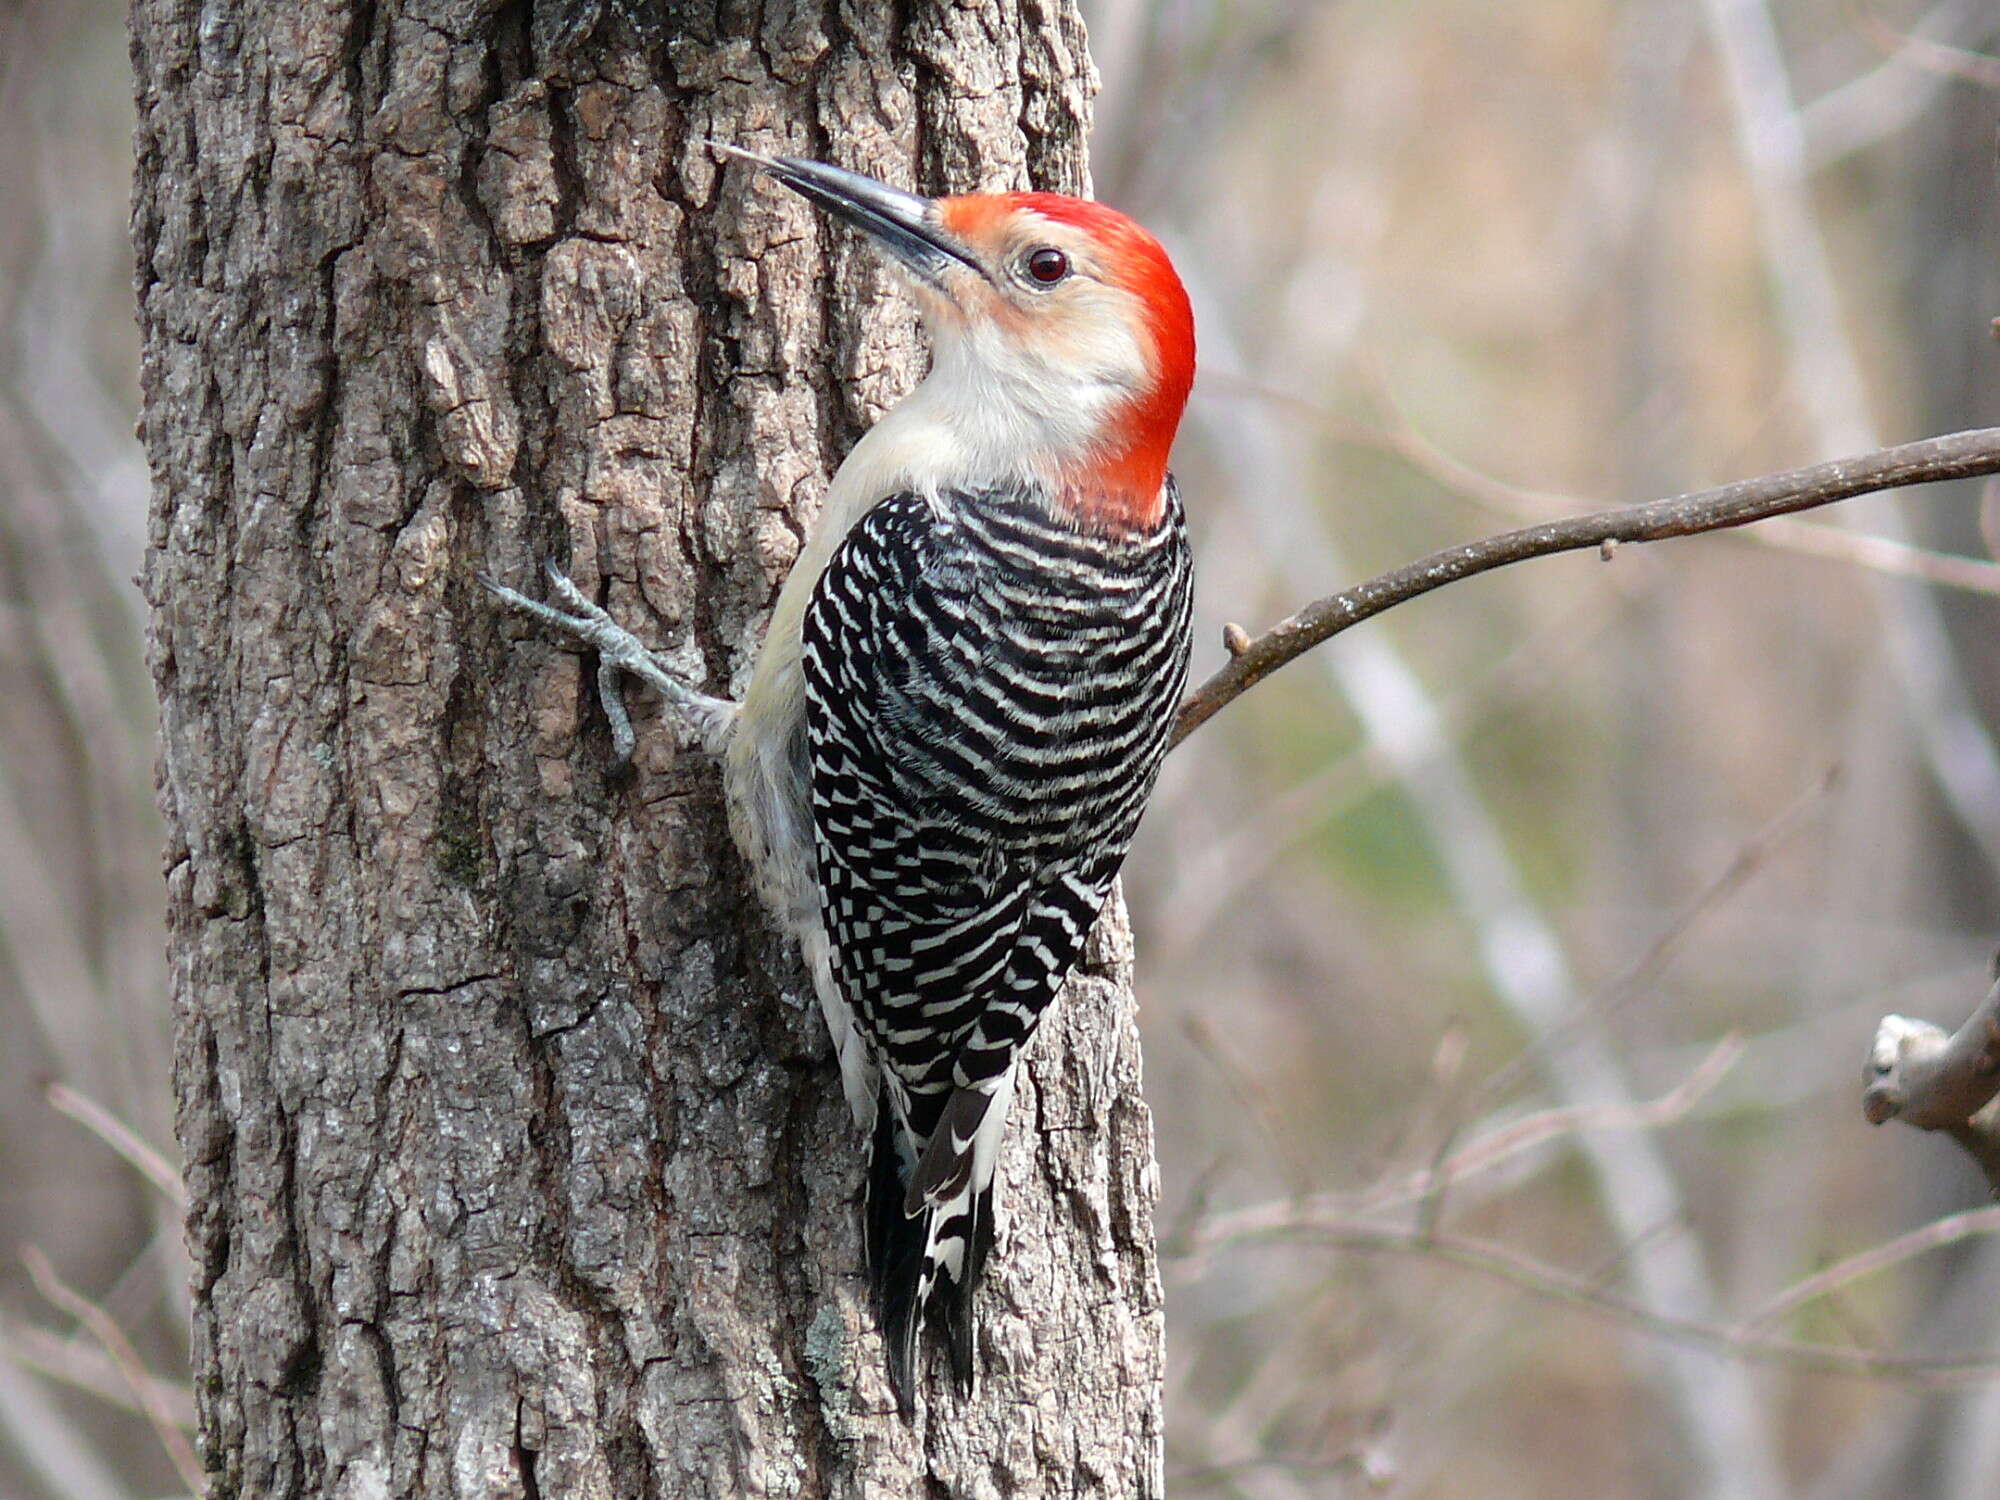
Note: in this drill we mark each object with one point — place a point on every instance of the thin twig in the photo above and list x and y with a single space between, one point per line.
121 1138
1483 1154
105 1329
1934 1235
1881 554
1553 1284
1255 1099
1869 108
1749 858
1933 56
1510 1140
1958 455
84 1368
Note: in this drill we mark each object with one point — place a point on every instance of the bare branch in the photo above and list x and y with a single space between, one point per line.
1402 439
1959 455
1932 1080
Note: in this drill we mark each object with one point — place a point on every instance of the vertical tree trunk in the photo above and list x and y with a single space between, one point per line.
517 1158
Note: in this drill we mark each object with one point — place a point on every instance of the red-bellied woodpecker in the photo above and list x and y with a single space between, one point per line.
965 693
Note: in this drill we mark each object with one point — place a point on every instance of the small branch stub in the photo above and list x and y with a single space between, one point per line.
1937 1080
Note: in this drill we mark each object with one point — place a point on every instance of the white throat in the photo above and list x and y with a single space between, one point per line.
991 409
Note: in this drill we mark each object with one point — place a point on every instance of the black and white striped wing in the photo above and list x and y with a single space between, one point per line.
988 696
988 699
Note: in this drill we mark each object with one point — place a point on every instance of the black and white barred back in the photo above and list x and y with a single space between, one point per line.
989 693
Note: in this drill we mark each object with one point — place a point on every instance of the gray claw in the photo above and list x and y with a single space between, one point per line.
619 651
574 596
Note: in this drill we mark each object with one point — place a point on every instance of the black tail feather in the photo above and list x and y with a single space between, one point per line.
896 1243
895 1247
954 1300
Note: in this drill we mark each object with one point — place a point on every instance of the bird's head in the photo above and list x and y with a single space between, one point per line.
1063 340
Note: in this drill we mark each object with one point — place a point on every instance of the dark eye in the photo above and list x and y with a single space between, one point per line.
1048 265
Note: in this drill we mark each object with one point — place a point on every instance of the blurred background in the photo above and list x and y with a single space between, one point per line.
1480 883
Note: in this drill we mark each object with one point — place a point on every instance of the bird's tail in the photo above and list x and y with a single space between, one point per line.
925 1256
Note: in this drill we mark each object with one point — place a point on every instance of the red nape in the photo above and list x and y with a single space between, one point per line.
1133 468
1121 486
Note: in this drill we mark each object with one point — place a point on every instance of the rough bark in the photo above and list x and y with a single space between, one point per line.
517 1159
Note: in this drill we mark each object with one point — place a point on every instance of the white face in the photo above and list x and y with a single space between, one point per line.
1043 352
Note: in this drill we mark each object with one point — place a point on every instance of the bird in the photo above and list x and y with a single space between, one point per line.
963 699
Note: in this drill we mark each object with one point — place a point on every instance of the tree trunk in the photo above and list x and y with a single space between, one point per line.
517 1157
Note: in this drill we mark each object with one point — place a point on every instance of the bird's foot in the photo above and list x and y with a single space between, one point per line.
620 651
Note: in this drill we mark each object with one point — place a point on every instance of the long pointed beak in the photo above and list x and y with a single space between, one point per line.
903 224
